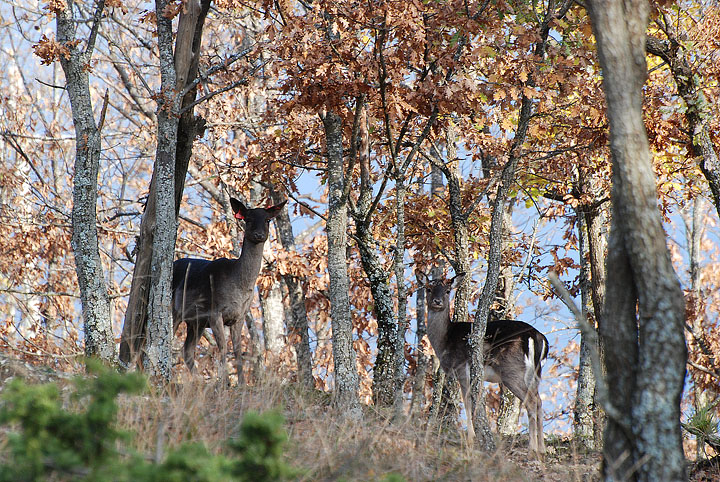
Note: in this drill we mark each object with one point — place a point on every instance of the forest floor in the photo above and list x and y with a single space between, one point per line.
328 446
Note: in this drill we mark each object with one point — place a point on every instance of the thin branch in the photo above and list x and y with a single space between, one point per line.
592 340
97 17
212 94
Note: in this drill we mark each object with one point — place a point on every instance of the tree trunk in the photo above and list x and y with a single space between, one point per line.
298 327
583 416
157 359
703 397
273 321
644 342
346 377
399 265
99 339
383 384
504 308
418 393
188 128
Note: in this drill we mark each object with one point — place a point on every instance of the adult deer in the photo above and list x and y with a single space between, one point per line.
218 293
513 352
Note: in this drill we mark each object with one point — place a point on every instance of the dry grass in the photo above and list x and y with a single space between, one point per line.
323 443
328 446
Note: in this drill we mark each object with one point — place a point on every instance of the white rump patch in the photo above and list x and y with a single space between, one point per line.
530 363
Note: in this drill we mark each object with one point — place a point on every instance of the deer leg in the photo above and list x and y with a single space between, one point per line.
539 417
515 381
236 337
189 346
218 329
463 376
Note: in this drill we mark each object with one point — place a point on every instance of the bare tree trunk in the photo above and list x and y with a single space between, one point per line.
401 290
157 359
509 414
583 421
188 128
597 224
298 327
273 321
703 397
99 339
645 352
383 384
346 377
418 392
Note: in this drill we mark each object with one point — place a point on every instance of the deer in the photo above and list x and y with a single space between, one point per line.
218 293
514 353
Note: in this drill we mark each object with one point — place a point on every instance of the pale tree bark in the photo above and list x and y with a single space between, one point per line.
298 327
645 352
188 128
597 223
383 384
99 339
157 358
417 401
344 357
696 225
401 290
583 412
273 321
509 413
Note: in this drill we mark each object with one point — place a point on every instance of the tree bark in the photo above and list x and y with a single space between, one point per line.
188 128
273 321
645 352
298 329
583 412
383 384
399 268
99 339
346 377
157 359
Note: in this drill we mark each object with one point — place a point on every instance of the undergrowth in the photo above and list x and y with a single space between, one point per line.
108 426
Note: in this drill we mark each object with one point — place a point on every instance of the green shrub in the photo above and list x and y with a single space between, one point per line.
46 441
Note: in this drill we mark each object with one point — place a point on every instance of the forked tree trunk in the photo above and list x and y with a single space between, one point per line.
298 327
346 377
643 327
99 339
188 128
583 416
157 357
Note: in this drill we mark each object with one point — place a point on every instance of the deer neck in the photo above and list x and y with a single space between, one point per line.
248 264
437 327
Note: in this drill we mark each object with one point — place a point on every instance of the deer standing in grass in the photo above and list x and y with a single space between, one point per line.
218 293
513 352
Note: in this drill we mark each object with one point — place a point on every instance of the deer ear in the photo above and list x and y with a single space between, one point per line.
275 210
238 208
422 278
457 279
